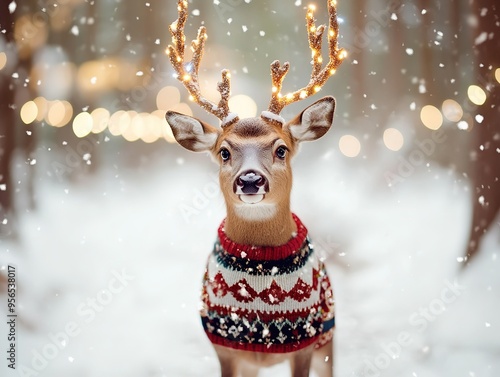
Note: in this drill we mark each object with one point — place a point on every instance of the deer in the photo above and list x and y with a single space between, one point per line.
266 295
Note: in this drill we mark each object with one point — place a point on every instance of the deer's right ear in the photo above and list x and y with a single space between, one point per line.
192 133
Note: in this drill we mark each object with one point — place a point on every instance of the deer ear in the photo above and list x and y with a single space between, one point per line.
192 133
314 121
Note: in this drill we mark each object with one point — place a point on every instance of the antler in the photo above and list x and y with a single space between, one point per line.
187 73
319 75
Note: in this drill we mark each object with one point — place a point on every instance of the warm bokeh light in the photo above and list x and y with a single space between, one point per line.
29 111
166 131
100 120
59 114
132 126
98 75
167 98
497 74
349 146
476 95
59 21
393 139
43 107
3 60
243 105
133 130
30 33
431 117
82 124
116 122
182 108
452 110
68 113
154 129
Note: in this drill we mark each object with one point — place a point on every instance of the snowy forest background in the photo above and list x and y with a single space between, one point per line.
109 222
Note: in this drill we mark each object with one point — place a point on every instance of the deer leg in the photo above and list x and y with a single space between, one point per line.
322 362
300 363
249 371
228 363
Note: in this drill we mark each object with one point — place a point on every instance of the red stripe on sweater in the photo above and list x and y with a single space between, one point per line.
265 252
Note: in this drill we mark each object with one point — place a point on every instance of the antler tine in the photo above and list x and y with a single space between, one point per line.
319 74
187 73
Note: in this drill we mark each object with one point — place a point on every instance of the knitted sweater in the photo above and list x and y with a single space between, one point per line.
267 299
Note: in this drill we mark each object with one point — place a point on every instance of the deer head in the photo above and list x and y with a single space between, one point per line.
254 153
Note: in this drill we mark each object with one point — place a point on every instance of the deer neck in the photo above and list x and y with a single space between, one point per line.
273 230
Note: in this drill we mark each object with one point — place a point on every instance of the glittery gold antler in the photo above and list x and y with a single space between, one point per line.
319 74
187 73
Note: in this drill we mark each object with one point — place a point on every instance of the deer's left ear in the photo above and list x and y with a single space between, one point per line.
314 121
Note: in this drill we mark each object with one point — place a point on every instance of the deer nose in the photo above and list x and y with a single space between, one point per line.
250 182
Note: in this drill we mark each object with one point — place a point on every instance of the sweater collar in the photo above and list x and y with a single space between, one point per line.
265 252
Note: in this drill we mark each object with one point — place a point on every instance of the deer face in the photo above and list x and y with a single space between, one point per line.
254 155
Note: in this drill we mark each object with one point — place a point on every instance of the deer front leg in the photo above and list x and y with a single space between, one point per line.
300 362
322 362
228 362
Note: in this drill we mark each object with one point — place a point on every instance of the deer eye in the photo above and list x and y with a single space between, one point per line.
281 152
224 154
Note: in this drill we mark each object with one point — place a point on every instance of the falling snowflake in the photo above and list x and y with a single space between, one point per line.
481 38
481 200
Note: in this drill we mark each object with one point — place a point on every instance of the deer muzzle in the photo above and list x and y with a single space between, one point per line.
251 187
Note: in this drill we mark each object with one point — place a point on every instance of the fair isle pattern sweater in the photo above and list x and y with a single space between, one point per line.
267 299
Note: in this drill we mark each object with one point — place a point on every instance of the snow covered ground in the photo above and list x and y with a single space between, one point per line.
109 272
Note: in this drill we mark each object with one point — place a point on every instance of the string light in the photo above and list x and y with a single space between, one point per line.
319 73
188 73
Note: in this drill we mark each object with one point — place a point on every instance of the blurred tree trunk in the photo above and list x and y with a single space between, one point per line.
486 143
6 128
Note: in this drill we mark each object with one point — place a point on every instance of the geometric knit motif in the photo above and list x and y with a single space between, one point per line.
267 299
